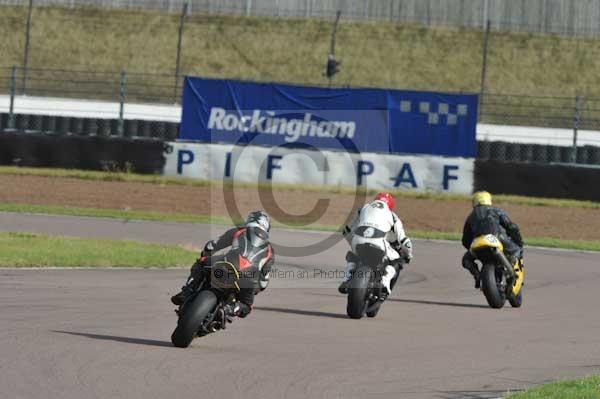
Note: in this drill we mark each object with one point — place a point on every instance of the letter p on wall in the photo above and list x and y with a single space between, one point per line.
184 157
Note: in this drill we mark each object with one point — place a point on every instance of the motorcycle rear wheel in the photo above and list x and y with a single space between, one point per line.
358 289
489 284
193 315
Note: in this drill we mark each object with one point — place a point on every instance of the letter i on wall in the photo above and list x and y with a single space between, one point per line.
227 171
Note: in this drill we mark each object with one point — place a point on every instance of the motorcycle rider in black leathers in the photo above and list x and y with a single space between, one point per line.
251 241
486 219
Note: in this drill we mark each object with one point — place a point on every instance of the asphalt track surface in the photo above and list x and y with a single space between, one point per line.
105 333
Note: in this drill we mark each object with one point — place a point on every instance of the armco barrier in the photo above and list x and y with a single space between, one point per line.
538 180
82 152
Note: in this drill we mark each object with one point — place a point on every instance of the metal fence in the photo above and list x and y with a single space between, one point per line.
566 17
115 86
495 108
118 87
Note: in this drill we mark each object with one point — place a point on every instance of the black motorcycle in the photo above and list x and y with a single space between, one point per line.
365 290
206 310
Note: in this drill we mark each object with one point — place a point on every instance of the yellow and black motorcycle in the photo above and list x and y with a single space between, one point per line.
499 279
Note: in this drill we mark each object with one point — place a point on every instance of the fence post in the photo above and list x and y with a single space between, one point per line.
248 7
486 39
121 102
26 49
486 13
576 119
179 41
13 89
332 65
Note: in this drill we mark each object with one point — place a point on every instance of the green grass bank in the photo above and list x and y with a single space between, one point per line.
586 388
376 54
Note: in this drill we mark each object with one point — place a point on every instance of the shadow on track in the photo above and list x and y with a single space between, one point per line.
128 340
492 394
436 303
417 301
303 312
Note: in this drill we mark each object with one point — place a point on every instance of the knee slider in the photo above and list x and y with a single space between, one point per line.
351 257
468 262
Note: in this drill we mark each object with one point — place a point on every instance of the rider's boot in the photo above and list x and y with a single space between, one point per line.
343 288
468 263
187 290
476 276
193 282
386 279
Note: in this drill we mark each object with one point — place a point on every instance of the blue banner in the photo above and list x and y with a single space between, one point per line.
358 120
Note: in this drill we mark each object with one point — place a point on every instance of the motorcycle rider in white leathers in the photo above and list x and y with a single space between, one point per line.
377 224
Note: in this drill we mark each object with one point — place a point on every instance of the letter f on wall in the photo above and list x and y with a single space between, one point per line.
448 176
272 164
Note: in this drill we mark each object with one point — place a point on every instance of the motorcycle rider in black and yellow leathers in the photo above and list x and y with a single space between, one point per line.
486 219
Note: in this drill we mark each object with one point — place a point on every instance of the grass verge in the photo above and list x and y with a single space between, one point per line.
32 250
586 388
187 218
182 181
113 214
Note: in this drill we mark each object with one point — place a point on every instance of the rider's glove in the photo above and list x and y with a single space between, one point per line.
238 309
209 248
406 249
346 231
242 310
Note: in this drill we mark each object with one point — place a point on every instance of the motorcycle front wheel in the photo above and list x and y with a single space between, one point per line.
516 301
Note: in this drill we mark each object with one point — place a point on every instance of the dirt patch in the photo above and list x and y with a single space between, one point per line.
285 205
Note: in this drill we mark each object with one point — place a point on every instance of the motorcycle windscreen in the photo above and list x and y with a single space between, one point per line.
225 276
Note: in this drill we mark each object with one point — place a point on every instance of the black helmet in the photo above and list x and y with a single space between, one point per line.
258 219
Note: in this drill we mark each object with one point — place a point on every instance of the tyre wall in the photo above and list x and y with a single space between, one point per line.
538 180
81 152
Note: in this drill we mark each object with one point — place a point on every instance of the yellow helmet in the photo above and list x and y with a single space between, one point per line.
482 198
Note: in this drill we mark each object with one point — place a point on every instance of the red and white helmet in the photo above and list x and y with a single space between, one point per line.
387 198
